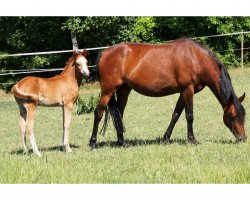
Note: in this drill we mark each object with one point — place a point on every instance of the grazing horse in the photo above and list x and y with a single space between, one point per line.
181 66
61 90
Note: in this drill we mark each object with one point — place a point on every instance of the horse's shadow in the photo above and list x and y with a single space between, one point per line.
159 141
141 142
129 143
44 149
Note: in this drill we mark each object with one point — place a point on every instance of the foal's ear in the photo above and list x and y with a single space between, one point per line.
84 52
242 97
74 53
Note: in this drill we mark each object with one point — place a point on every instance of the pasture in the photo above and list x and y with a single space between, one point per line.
217 160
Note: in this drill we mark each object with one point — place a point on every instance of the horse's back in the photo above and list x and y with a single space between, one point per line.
154 70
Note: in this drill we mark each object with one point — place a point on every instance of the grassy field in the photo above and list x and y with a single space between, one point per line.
217 160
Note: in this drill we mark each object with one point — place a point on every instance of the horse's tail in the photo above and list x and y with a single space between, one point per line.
113 110
97 64
18 93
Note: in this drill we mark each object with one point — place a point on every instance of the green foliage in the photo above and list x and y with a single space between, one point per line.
33 34
85 106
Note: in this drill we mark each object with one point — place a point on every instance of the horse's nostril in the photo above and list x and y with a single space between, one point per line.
241 139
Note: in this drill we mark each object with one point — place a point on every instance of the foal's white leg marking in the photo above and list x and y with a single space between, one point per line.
66 124
83 61
34 145
30 127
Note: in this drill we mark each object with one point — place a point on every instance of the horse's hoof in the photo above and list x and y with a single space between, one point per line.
194 141
38 154
67 149
93 146
167 142
125 145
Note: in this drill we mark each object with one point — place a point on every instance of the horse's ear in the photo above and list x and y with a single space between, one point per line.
84 52
74 53
242 97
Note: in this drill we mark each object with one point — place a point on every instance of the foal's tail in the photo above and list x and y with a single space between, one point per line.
18 93
113 110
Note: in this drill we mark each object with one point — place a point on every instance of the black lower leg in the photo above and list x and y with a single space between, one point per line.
177 112
93 138
190 119
117 120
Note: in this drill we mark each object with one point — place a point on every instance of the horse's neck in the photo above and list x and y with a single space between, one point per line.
71 72
215 87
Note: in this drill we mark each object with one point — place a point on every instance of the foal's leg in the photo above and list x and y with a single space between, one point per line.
22 125
31 107
176 114
98 116
187 96
122 98
67 110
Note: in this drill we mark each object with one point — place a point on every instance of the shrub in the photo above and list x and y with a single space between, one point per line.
85 106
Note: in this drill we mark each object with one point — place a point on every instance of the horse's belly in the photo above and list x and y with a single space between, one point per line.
154 90
43 101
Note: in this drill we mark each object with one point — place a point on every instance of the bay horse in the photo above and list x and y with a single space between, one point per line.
182 66
61 90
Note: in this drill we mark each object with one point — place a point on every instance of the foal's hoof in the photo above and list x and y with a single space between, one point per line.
67 149
194 141
38 154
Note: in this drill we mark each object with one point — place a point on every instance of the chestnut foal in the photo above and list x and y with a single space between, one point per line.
61 90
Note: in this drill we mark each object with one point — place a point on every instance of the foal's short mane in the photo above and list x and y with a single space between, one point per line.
68 63
226 87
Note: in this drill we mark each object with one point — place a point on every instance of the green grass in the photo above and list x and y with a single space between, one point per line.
217 160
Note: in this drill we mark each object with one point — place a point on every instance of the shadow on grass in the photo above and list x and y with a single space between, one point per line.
141 142
54 148
158 141
223 141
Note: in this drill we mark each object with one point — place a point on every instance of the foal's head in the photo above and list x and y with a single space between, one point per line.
234 117
81 62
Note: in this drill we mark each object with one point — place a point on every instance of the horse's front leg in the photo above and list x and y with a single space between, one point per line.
176 115
67 110
188 96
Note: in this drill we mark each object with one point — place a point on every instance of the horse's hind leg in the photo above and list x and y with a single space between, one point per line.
176 114
122 98
31 107
22 125
104 100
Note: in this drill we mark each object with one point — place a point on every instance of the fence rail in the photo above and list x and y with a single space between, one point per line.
15 72
48 52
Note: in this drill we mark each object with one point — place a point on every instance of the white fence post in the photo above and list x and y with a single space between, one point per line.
74 41
242 49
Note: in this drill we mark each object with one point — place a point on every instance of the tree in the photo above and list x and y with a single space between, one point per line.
32 34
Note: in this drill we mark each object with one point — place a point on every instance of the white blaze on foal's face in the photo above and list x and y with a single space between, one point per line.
83 65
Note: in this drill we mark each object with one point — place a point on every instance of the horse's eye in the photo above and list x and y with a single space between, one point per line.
232 117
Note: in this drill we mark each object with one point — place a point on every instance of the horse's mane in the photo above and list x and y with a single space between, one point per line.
68 63
226 87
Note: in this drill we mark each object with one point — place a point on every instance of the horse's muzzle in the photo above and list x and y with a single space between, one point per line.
240 138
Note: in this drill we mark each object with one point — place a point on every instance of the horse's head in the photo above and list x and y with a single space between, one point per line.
234 117
81 62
